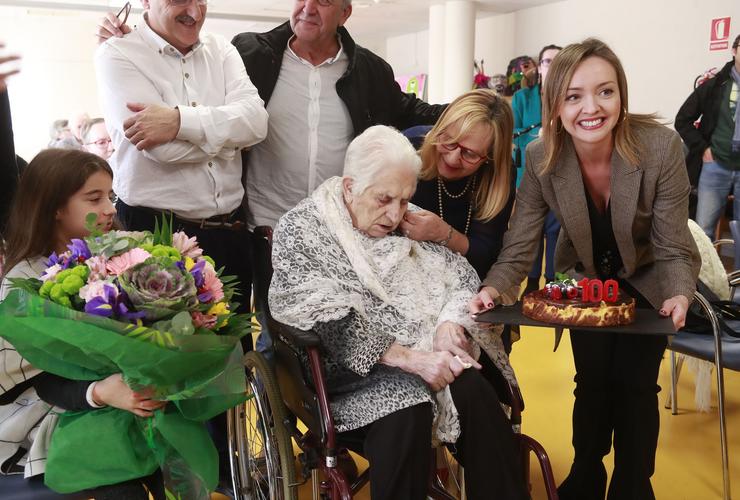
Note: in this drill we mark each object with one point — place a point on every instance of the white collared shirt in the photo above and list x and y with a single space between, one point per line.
199 174
307 137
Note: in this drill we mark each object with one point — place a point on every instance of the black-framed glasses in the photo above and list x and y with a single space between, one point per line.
125 10
467 155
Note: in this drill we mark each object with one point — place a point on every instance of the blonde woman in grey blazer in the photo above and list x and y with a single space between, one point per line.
617 183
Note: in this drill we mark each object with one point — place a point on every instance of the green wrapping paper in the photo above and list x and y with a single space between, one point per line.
202 375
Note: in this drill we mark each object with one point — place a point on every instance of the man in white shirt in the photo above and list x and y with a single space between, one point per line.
180 107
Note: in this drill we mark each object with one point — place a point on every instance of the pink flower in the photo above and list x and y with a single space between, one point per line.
212 286
188 247
117 265
201 320
97 265
95 289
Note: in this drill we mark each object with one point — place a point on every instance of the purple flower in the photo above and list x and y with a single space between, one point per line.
112 304
79 251
197 272
61 260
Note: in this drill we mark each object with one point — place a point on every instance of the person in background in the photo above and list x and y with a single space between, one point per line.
713 161
76 122
617 183
527 107
95 138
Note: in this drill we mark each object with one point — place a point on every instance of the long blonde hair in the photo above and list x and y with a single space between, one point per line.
565 63
477 107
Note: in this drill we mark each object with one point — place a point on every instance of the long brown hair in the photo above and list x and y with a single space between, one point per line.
47 184
477 107
563 66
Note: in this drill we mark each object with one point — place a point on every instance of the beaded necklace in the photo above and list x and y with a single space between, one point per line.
442 188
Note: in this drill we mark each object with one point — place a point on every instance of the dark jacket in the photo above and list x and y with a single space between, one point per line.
367 88
704 102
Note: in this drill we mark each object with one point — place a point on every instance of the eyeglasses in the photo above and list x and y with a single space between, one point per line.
101 143
183 3
467 155
125 10
322 3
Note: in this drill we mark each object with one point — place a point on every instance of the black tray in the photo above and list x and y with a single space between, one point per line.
647 321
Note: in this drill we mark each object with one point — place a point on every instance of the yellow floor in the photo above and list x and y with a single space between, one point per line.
688 463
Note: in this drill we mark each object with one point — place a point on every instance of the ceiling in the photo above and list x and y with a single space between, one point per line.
369 17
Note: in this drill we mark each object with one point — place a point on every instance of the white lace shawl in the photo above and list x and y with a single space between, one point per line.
426 283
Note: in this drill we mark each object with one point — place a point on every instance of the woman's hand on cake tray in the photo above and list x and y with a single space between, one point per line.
451 337
675 307
423 225
484 300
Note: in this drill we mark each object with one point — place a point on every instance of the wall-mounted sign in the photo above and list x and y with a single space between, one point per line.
719 38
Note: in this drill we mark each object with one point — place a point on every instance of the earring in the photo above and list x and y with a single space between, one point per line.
624 113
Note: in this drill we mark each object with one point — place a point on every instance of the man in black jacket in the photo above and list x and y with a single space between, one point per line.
713 162
321 90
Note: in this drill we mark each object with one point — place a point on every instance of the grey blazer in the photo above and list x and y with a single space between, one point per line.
649 210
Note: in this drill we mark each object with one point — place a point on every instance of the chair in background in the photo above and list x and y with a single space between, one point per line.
719 348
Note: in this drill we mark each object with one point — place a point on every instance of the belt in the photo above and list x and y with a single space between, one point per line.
225 221
228 221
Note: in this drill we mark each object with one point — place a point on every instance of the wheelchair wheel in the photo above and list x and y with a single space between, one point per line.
262 461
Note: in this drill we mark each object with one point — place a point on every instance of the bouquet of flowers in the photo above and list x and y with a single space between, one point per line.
153 307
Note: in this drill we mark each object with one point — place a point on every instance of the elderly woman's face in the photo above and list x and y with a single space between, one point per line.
379 209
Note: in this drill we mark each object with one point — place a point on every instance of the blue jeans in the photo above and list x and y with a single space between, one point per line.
715 183
551 229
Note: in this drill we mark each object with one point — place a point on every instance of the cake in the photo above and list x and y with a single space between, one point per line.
589 303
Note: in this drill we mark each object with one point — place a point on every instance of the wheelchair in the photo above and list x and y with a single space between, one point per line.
261 455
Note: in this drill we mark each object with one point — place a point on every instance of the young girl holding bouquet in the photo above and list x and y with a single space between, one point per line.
59 188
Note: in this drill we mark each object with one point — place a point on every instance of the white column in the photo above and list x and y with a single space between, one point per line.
459 45
436 76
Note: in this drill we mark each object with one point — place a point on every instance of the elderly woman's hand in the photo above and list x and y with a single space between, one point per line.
676 307
484 299
451 337
423 225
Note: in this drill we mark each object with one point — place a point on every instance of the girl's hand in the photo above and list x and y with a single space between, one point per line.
114 392
424 226
676 307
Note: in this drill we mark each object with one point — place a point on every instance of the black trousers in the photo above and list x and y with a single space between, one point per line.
616 401
229 249
398 447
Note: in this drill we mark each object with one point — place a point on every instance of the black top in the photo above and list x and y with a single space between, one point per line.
486 238
607 259
57 391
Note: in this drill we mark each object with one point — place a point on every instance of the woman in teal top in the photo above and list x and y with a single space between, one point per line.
527 107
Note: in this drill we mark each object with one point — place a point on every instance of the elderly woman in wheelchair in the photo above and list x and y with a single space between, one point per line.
403 359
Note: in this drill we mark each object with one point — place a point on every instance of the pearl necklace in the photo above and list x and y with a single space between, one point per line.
441 187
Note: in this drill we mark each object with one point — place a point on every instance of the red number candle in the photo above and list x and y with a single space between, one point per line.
611 290
585 292
596 290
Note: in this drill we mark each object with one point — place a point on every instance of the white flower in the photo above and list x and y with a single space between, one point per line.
95 289
51 272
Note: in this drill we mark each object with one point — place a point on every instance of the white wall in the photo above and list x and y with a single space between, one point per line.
57 75
663 44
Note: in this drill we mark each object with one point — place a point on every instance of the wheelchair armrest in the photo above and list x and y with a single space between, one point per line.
295 336
734 278
725 241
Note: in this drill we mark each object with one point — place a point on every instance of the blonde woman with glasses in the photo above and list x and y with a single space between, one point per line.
466 180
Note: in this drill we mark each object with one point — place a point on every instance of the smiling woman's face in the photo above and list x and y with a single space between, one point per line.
379 209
